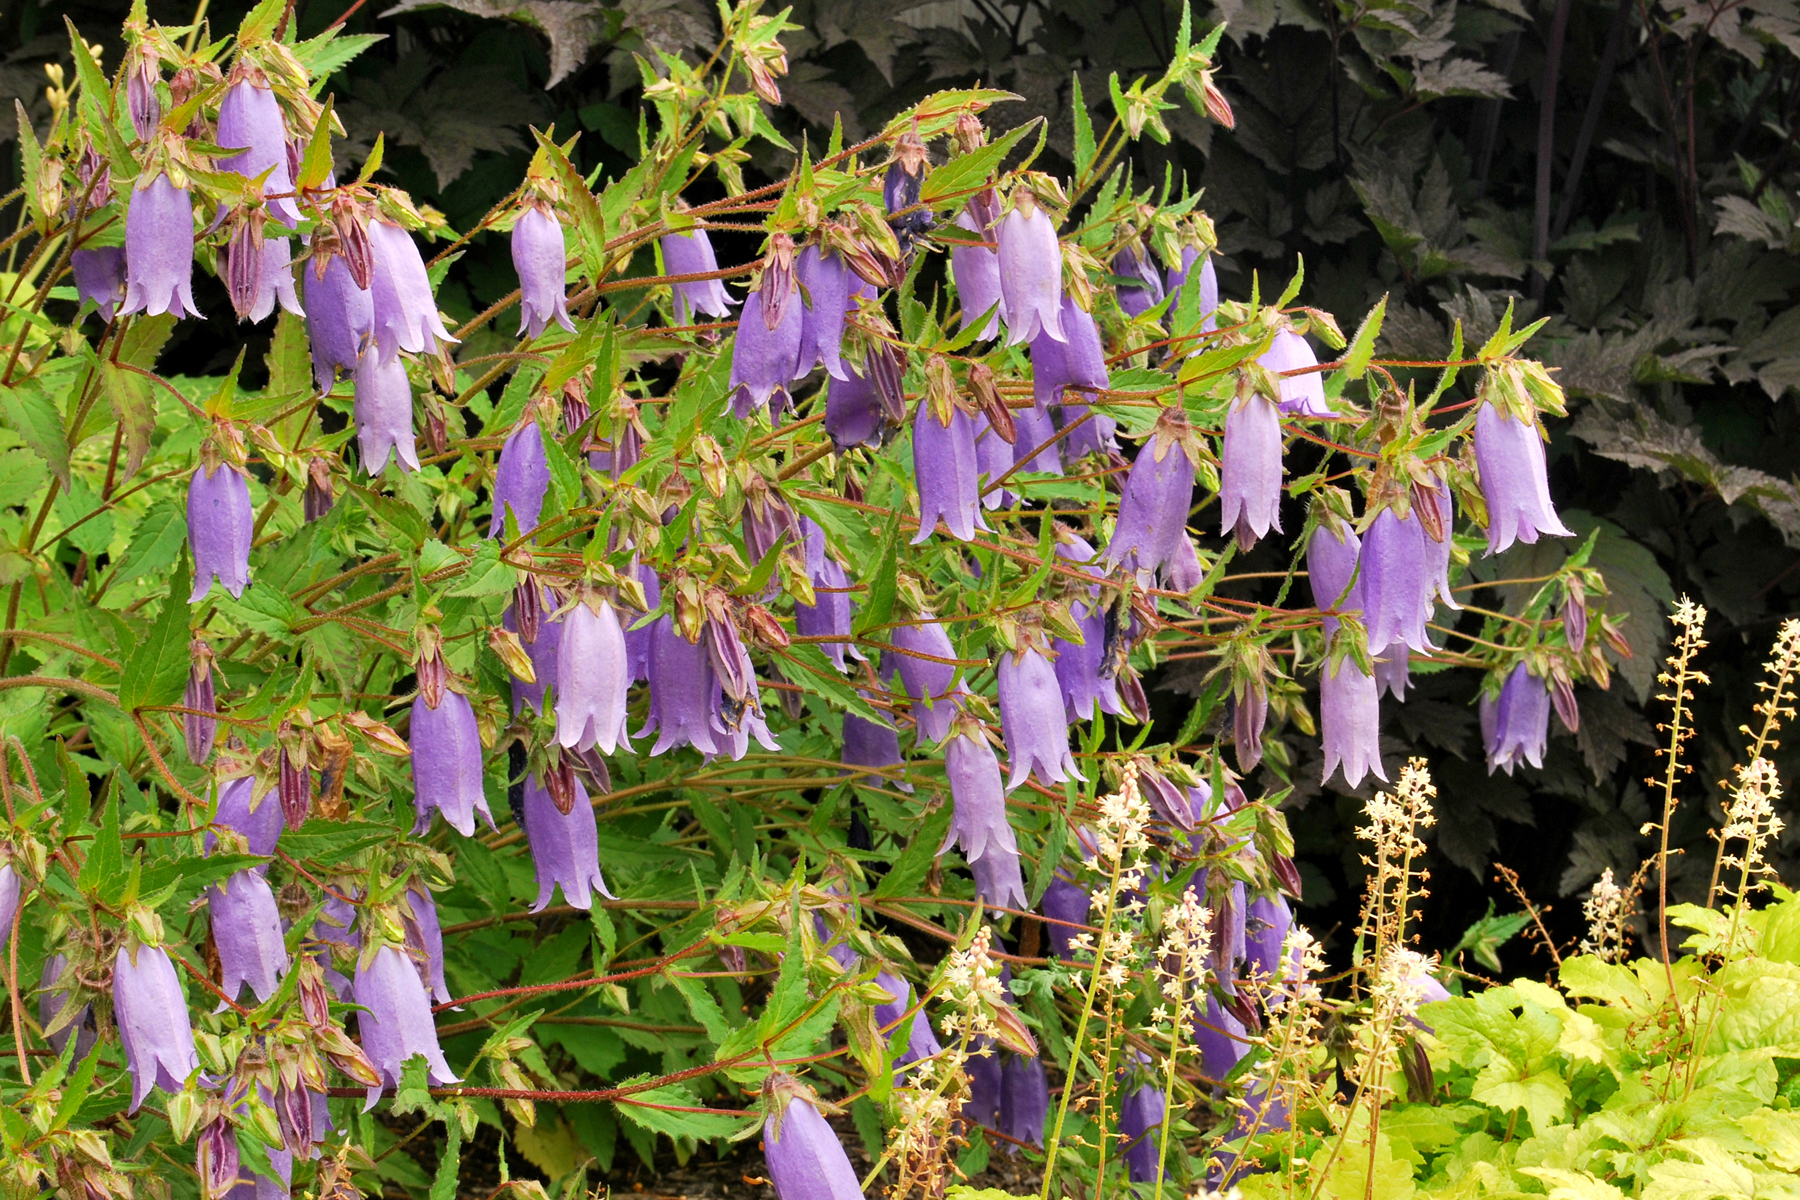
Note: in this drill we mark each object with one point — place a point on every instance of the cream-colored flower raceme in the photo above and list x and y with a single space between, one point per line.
1606 910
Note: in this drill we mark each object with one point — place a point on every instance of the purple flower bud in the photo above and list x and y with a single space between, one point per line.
397 1023
250 121
521 480
1398 581
1301 395
806 1160
826 288
1024 1098
1250 471
927 666
261 826
1140 1119
1145 291
691 253
405 312
1077 361
565 849
1154 508
854 415
1515 727
51 1001
1249 713
1033 719
978 825
152 1016
948 474
159 249
921 1042
140 93
976 271
425 937
593 679
1221 1038
216 1158
983 1105
340 319
246 928
763 360
446 764
221 527
1032 429
875 748
540 256
384 414
1266 928
100 277
1510 455
1066 905
1183 572
198 732
1030 273
1437 511
544 652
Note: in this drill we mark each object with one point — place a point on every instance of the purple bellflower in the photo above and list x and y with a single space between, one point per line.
1349 702
1145 291
406 315
1034 720
832 613
876 749
978 825
828 290
1065 904
1266 928
1515 726
246 928
1140 1119
806 1160
261 825
446 764
921 1042
384 414
928 680
593 675
854 415
993 458
1176 279
1398 581
1301 395
152 1016
948 474
100 277
1030 272
1080 670
250 122
763 360
1514 482
275 281
682 690
1033 428
1076 361
983 1105
639 640
565 850
691 253
976 270
540 255
1439 550
1393 670
141 100
1221 1037
1024 1098
9 901
159 249
425 937
396 1023
221 527
1250 471
521 480
1158 493
340 318
544 654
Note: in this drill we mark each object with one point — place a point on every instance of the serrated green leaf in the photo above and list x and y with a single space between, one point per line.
915 861
157 670
967 173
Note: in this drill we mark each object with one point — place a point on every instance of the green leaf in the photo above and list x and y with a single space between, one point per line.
105 866
315 167
259 24
157 670
639 1108
486 575
706 1010
1293 288
330 841
443 1185
30 412
882 584
915 862
1362 346
969 172
324 55
815 673
1085 148
265 610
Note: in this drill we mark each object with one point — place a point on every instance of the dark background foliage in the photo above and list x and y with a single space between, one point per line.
1627 171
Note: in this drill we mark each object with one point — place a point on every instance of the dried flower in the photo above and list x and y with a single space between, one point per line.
221 526
152 1016
565 847
1250 471
1515 726
200 727
446 764
159 249
396 1022
979 826
521 480
540 255
405 312
1033 719
247 930
384 414
1514 481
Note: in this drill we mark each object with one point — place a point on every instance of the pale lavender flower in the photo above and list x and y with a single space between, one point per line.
1145 291
565 849
976 270
1250 471
9 901
1033 720
993 458
1515 727
1153 510
340 319
691 253
159 249
1350 722
978 825
1081 670
1140 1119
540 255
682 687
425 936
1176 279
543 653
1065 904
834 611
261 825
221 527
406 315
521 480
1222 1039
275 282
763 360
397 1022
1024 1098
246 928
250 122
1398 581
1032 428
1030 273
1266 928
593 679
1514 482
1439 498
1301 395
141 100
876 749
446 764
923 648
854 415
921 1042
638 640
1331 557
1393 670
806 1160
100 277
983 1105
827 291
152 1015
384 414
1074 362
948 474
1183 572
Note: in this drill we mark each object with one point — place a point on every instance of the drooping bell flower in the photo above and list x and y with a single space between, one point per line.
200 727
1158 493
1065 904
1033 430
978 824
1331 557
565 848
993 459
763 360
396 1022
100 277
277 284
1301 395
425 936
983 1105
1030 271
246 928
833 613
261 825
9 901
446 764
384 414
1250 471
221 527
340 318
826 285
1081 669
853 412
683 690
540 255
1249 713
1034 720
1515 727
638 640
948 474
51 1002
593 677
521 480
1514 481
921 1042
1265 930
876 749
1183 572
976 272
544 653
1221 1038
1140 1121
1397 582
806 1160
152 1016
1393 670
250 122
1350 722
1437 509
927 665
1024 1098
159 249
691 253
405 312
1145 291
1075 363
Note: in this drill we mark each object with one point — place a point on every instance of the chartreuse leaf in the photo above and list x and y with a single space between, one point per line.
968 172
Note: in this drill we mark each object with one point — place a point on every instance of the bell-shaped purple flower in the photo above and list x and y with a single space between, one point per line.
1065 904
9 901
1221 1038
261 826
976 271
396 1022
683 690
978 825
1515 727
545 653
763 360
921 1042
948 474
221 527
638 640
1074 363
1266 928
406 315
853 412
246 928
1145 291
1350 722
927 665
1439 550
1250 471
833 613
384 414
691 253
1331 557
565 850
1033 719
1024 1098
983 1105
425 937
827 286
1081 670
141 100
993 458
159 249
250 122
1033 430
274 282
1301 395
1183 572
1030 272
446 764
1140 1121
1514 482
1154 508
1393 674
540 256
806 1160
152 1015
876 749
1398 581
340 319
521 480
100 277
593 678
